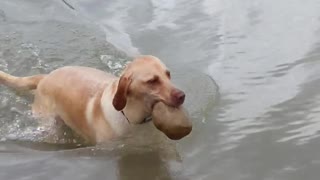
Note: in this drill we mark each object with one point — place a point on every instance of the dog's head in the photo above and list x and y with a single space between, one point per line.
146 81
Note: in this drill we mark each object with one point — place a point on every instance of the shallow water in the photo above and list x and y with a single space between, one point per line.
259 122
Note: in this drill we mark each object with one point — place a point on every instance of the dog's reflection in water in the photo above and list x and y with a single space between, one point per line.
146 154
142 166
155 157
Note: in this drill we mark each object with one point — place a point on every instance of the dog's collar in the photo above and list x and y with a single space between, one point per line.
125 116
147 119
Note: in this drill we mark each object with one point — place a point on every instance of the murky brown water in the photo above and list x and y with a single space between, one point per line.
261 120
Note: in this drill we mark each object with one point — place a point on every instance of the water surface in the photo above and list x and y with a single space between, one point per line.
259 121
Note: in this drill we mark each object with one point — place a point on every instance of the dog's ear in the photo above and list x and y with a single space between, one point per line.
120 97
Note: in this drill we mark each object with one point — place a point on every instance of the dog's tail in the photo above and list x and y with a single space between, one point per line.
20 83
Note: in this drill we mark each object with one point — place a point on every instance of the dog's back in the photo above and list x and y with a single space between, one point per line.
73 93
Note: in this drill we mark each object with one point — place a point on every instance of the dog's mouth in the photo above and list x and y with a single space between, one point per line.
149 118
151 102
166 103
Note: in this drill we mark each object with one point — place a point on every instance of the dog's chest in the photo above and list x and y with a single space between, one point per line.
117 121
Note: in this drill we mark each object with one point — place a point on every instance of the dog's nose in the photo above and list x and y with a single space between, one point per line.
178 97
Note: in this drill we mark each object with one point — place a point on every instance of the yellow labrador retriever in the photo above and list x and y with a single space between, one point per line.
97 105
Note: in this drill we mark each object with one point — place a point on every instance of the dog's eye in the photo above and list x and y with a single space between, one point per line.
154 80
168 74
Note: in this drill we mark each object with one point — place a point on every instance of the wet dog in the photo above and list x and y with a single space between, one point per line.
97 105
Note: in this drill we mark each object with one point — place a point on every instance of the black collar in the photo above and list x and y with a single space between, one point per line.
147 119
125 117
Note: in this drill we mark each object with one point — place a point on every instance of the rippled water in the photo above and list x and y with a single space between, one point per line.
260 120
